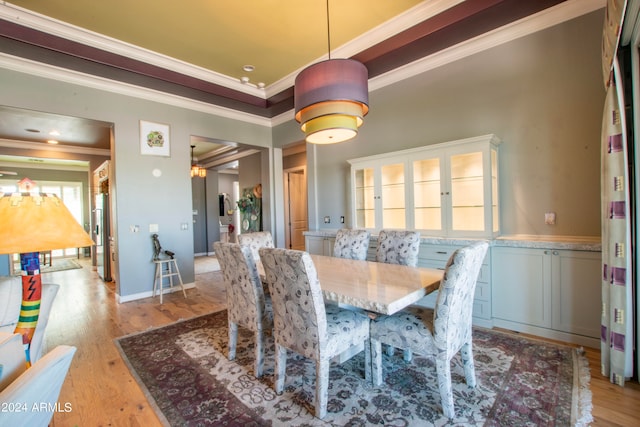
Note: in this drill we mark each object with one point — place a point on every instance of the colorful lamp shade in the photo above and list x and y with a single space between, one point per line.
31 223
331 99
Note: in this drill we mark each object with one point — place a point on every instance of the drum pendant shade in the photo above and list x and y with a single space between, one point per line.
331 98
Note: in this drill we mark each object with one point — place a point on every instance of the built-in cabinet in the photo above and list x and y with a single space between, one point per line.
434 255
319 244
448 189
548 292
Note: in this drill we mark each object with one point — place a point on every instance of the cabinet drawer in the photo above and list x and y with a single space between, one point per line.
483 292
482 309
485 274
436 252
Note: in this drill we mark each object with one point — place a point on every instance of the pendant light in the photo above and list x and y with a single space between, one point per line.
331 98
195 169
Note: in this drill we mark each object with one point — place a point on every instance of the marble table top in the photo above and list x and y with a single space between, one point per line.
374 286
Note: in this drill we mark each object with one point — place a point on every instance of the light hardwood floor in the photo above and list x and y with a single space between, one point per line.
102 392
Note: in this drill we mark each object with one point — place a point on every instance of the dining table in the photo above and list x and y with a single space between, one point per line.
372 286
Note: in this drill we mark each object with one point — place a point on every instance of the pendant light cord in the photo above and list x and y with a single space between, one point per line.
328 32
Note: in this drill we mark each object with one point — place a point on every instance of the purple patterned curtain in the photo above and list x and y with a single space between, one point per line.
617 339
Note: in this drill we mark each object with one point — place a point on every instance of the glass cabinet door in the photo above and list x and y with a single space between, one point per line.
393 203
467 192
441 190
427 200
364 198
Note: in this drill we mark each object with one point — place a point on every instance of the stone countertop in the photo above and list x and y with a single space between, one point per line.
576 243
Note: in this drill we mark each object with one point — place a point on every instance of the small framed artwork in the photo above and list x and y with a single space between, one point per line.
154 139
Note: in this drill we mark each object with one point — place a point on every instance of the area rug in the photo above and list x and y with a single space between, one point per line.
184 370
58 264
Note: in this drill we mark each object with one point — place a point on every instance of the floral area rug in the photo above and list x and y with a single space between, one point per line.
184 370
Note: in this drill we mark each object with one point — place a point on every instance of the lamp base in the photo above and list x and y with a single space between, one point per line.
31 300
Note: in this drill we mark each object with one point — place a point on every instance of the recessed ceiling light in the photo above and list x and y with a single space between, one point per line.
248 68
261 85
244 79
52 141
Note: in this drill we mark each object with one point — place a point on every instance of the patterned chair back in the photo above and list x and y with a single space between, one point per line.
255 241
398 247
299 316
454 305
245 295
351 244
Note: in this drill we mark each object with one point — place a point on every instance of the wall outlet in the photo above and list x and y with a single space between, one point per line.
550 218
327 219
342 219
184 226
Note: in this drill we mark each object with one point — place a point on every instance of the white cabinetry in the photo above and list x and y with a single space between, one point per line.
319 244
448 189
436 256
548 292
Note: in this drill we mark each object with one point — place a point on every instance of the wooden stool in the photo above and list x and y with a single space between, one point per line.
166 268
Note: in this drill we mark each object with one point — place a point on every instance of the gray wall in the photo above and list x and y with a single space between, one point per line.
541 94
140 197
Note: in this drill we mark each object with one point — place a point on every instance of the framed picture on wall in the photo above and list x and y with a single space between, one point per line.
154 139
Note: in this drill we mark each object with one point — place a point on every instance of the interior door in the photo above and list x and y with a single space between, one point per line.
296 214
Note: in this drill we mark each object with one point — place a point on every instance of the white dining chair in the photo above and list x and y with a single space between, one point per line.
247 305
29 397
304 324
442 332
398 247
255 241
351 244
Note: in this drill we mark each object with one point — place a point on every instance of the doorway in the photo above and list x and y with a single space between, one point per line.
295 199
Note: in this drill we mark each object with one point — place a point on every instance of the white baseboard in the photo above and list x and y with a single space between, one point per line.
147 294
548 333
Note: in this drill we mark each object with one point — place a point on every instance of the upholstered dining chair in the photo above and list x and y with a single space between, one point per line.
29 396
351 244
247 305
304 324
255 241
442 332
398 247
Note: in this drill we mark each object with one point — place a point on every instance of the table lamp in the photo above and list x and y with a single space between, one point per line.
30 223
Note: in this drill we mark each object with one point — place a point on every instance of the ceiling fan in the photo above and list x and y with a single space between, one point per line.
7 173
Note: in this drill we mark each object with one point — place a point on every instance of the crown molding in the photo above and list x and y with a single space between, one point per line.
39 146
555 15
69 76
402 22
27 18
